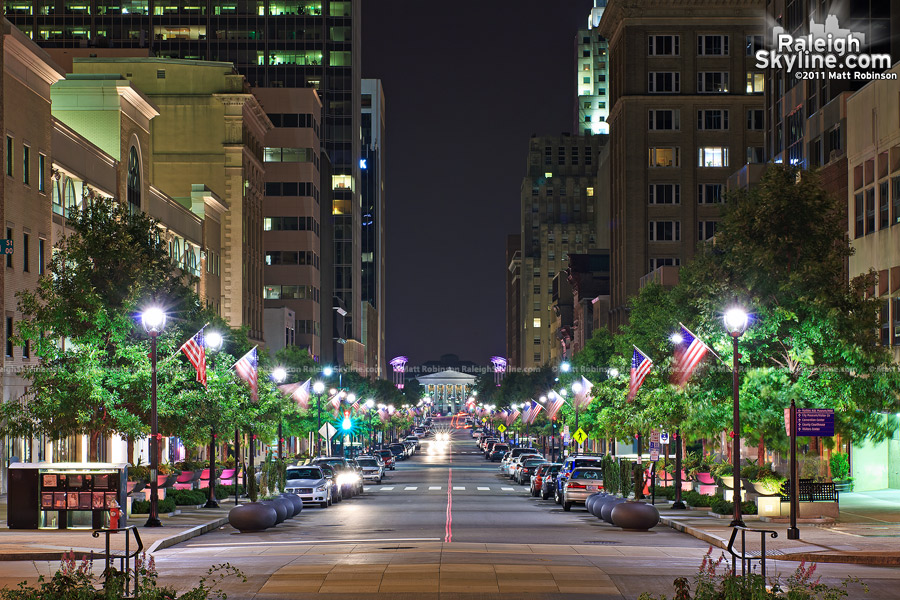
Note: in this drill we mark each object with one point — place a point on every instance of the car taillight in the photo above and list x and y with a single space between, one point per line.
576 486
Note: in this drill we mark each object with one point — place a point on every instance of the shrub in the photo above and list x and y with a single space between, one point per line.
142 507
696 499
722 507
840 467
188 497
711 583
223 491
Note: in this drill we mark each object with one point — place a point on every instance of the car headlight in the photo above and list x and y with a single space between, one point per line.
322 488
347 478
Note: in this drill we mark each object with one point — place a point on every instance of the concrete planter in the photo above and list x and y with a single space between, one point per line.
598 503
635 516
296 501
589 501
253 516
281 510
288 506
606 509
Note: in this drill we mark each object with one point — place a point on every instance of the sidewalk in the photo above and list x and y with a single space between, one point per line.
51 544
866 533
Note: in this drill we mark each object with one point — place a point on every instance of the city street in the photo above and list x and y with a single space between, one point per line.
448 525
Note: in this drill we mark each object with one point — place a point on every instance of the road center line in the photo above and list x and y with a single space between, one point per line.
295 542
448 528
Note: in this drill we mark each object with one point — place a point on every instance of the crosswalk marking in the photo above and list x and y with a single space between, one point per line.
434 487
412 487
484 489
387 488
459 488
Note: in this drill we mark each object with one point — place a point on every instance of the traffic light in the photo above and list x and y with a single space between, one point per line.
346 424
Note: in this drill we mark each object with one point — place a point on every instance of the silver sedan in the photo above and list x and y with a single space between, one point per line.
580 485
309 482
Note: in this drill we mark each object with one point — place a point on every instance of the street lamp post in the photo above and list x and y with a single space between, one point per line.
213 341
279 375
318 388
153 320
736 321
576 387
370 404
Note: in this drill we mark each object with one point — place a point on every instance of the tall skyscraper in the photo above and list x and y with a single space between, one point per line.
307 43
372 190
591 74
560 215
687 111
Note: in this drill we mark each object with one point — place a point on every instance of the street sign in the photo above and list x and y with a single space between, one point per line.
654 436
817 422
654 450
6 246
501 427
580 436
565 430
663 437
327 430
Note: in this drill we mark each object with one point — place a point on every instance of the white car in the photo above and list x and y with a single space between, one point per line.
309 482
372 468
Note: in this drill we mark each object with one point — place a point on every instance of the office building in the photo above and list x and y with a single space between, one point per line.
372 192
561 215
687 110
513 301
304 44
591 76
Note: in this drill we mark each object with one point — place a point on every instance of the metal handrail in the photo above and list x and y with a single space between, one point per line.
745 558
132 575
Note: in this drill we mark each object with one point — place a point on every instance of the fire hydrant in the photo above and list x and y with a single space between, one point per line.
114 513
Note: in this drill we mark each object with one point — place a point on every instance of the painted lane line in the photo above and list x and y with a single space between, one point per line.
387 488
295 542
410 487
508 489
448 528
460 488
434 487
483 489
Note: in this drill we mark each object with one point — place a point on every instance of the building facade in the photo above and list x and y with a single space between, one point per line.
591 76
372 240
560 215
513 300
687 110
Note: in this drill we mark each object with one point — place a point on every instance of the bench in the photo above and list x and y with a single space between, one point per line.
810 491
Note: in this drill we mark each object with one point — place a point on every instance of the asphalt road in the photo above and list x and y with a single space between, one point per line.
446 524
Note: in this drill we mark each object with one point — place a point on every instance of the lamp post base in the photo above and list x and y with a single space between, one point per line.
679 505
793 533
737 523
153 522
211 504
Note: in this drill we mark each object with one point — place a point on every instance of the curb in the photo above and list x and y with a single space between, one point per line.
883 559
168 542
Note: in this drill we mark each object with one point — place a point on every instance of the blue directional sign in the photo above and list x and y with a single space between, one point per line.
818 422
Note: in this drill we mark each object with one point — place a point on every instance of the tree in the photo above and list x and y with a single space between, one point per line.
81 322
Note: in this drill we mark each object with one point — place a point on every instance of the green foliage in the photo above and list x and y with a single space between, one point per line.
77 582
716 581
611 478
723 507
840 466
142 507
626 477
224 491
188 497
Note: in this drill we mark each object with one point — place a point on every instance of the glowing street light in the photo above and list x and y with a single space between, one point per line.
213 341
736 321
154 320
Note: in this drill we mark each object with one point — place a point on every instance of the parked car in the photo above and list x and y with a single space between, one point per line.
489 446
516 463
528 467
399 450
548 484
372 468
497 451
582 483
541 473
346 476
572 462
337 494
309 482
387 457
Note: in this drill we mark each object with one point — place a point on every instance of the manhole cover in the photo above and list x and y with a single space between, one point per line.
602 542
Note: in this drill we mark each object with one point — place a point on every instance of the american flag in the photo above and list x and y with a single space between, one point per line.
383 414
247 369
533 411
583 398
527 412
301 394
555 402
688 354
195 350
640 367
511 416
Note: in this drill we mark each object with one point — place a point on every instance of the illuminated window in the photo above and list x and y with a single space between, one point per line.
755 83
664 157
590 192
712 156
341 182
548 175
536 323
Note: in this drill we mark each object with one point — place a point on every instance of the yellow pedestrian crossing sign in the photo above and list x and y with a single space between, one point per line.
501 427
580 436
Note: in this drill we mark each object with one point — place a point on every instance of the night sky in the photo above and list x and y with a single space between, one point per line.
466 84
